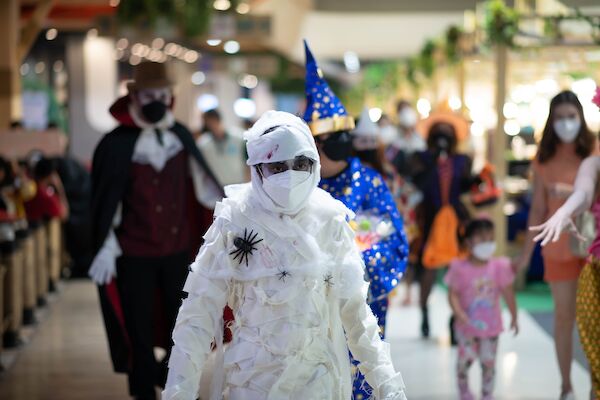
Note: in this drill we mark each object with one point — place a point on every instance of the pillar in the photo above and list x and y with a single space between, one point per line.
498 145
10 79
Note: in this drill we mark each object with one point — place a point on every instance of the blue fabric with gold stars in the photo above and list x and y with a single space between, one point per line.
324 112
362 189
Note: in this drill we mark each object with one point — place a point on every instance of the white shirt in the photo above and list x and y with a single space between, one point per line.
410 143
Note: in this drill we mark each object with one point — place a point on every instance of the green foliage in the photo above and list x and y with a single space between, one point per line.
501 23
191 16
452 51
426 61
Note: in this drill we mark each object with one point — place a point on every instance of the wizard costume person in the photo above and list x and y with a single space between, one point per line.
378 224
143 209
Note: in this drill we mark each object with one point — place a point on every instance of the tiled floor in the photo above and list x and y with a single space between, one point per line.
67 357
526 367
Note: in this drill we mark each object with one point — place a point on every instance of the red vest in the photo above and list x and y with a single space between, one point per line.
154 210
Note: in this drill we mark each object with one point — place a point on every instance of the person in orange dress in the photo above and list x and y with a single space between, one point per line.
566 141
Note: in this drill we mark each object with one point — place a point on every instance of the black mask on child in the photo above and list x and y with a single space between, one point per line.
154 111
338 146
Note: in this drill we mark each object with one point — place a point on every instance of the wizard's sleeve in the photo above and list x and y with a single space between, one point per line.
360 325
386 259
200 316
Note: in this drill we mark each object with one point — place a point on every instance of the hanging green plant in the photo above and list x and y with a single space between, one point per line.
411 72
190 16
452 46
552 28
501 23
426 59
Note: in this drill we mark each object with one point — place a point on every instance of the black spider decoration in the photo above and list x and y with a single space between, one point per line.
328 279
283 274
245 245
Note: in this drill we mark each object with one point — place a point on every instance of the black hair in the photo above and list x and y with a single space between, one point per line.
442 129
584 144
9 175
402 104
213 113
44 168
477 226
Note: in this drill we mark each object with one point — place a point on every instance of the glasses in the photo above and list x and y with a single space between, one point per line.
301 163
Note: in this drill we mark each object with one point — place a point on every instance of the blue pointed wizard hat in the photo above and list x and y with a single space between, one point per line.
324 112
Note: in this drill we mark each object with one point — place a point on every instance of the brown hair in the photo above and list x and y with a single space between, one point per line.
584 143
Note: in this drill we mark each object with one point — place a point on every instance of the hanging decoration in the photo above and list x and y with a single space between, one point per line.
190 17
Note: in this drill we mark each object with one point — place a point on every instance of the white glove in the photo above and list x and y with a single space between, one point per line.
550 230
104 266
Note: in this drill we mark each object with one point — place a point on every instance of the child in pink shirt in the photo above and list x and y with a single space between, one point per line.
475 286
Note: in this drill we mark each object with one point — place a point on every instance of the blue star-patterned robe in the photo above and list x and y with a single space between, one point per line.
362 189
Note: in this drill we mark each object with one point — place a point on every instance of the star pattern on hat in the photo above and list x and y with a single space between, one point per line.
319 95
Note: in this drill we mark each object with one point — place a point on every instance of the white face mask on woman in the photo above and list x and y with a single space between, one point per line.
567 129
484 251
407 117
289 189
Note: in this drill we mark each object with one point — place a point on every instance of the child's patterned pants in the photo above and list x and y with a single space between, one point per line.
470 349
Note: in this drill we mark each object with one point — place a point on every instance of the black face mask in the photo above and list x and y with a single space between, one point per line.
441 144
368 156
154 112
338 146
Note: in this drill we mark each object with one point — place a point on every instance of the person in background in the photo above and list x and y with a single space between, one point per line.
50 200
475 286
144 228
408 140
366 142
398 154
378 224
442 175
566 141
224 153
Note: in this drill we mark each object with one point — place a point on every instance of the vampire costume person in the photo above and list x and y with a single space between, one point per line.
143 209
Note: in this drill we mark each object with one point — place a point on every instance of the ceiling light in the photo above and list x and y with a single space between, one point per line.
231 47
243 8
213 42
198 78
158 43
222 5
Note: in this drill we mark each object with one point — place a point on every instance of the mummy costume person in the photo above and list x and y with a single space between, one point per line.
282 255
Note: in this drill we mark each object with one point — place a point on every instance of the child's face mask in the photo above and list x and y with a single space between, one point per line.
484 250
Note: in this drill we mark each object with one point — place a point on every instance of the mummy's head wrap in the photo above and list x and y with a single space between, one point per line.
280 136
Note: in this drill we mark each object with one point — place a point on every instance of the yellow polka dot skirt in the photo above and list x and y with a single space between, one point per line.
588 317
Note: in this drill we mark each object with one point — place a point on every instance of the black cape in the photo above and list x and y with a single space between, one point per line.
110 166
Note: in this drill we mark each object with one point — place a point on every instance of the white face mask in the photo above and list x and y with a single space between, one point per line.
567 129
288 189
484 251
407 117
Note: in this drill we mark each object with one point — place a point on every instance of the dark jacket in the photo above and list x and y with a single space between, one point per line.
110 176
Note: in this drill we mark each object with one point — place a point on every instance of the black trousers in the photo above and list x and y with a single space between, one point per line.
138 280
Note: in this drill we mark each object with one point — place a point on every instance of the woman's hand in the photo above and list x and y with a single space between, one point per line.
550 230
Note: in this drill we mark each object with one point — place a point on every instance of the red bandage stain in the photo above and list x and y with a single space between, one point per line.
273 150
